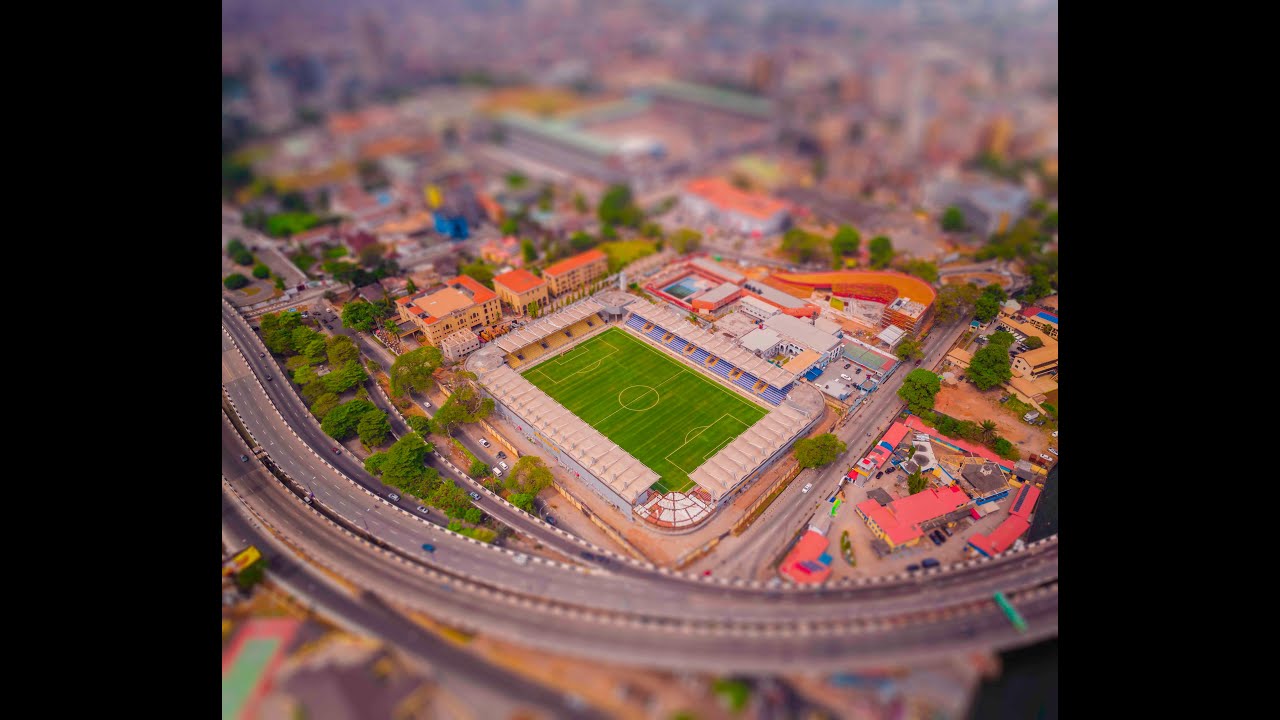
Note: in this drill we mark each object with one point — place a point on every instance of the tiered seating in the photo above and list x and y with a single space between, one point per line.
699 355
774 395
677 343
746 381
689 348
648 327
735 374
723 369
711 361
515 360
759 387
551 342
656 334
636 323
667 338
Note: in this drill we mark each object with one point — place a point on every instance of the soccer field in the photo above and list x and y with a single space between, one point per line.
658 409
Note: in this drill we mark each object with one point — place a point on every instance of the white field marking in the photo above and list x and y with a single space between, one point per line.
559 360
700 428
695 437
718 448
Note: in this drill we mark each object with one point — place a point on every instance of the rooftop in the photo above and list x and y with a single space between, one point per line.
1024 503
718 293
723 99
759 340
725 196
575 262
519 281
987 477
1000 539
1039 356
479 293
718 270
802 362
442 302
802 332
774 295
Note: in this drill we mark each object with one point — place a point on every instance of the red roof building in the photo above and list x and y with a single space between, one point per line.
1024 502
1000 539
898 523
574 272
802 565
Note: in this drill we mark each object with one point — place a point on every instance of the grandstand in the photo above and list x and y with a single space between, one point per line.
544 337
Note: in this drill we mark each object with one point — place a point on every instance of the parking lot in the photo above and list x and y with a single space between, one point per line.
830 378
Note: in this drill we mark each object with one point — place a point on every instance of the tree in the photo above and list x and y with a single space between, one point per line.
478 469
252 575
686 240
917 483
990 365
410 287
955 302
651 230
402 466
342 421
343 378
277 331
581 242
881 249
361 315
528 250
371 255
801 246
1033 342
844 244
324 404
909 349
278 282
953 220
608 232
988 304
419 424
988 429
922 269
617 207
818 451
580 203
509 226
235 247
341 350
1040 285
244 257
528 475
919 388
524 501
1050 222
235 281
414 370
373 428
479 272
304 375
262 272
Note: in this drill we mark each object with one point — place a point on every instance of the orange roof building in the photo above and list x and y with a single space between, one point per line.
717 201
462 304
875 297
519 289
804 564
574 272
898 523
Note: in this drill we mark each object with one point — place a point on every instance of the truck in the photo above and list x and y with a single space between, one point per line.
1031 416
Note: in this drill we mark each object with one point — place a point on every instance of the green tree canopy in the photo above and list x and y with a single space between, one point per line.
480 272
909 349
1033 342
686 240
917 483
801 246
402 466
419 424
465 405
617 207
324 404
527 249
581 242
361 315
953 220
345 377
844 244
509 226
260 271
524 501
412 371
341 350
651 230
919 388
990 365
955 302
989 302
373 428
277 331
528 475
922 269
342 420
881 249
818 451
235 281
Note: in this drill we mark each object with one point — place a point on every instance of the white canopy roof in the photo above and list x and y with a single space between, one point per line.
714 344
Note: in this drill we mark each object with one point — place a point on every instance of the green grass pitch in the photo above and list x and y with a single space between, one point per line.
660 410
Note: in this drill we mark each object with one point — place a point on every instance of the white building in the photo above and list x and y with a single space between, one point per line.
798 335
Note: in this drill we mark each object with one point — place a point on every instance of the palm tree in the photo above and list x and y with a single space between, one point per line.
988 429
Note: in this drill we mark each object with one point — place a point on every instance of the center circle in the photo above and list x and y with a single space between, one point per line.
638 397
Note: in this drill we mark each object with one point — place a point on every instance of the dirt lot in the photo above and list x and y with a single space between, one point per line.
966 402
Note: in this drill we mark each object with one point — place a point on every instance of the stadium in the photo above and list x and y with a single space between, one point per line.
662 419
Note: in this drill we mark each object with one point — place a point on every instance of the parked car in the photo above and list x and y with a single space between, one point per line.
484 443
929 563
474 495
549 520
423 510
520 559
846 365
934 537
947 529
244 458
1046 457
496 472
879 474
858 371
1053 434
1053 450
337 450
587 556
501 455
503 464
269 378
429 547
262 355
393 497
1004 399
912 568
807 487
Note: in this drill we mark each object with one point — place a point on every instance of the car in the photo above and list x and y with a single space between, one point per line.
501 455
912 568
858 371
262 355
947 529
484 443
1053 450
934 537
587 556
244 458
807 487
327 326
1053 434
1004 399
1046 457
549 520
423 510
705 573
520 559
496 472
929 563
305 315
846 366
879 474
393 497
503 464
337 450
429 547
474 495
269 378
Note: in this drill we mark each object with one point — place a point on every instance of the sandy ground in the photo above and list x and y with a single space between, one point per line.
966 402
981 279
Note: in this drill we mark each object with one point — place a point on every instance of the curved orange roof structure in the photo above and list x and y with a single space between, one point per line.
912 287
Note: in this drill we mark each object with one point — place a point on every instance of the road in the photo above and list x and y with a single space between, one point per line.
367 615
753 554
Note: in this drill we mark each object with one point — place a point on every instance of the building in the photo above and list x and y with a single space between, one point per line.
808 562
761 341
1023 330
519 289
572 273
959 357
987 209
899 523
891 336
987 480
873 298
717 201
1034 363
459 345
757 308
462 303
1046 321
797 335
1008 532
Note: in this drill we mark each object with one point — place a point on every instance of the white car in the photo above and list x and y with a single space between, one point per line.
503 464
1053 450
1046 457
520 559
807 487
484 443
1053 434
